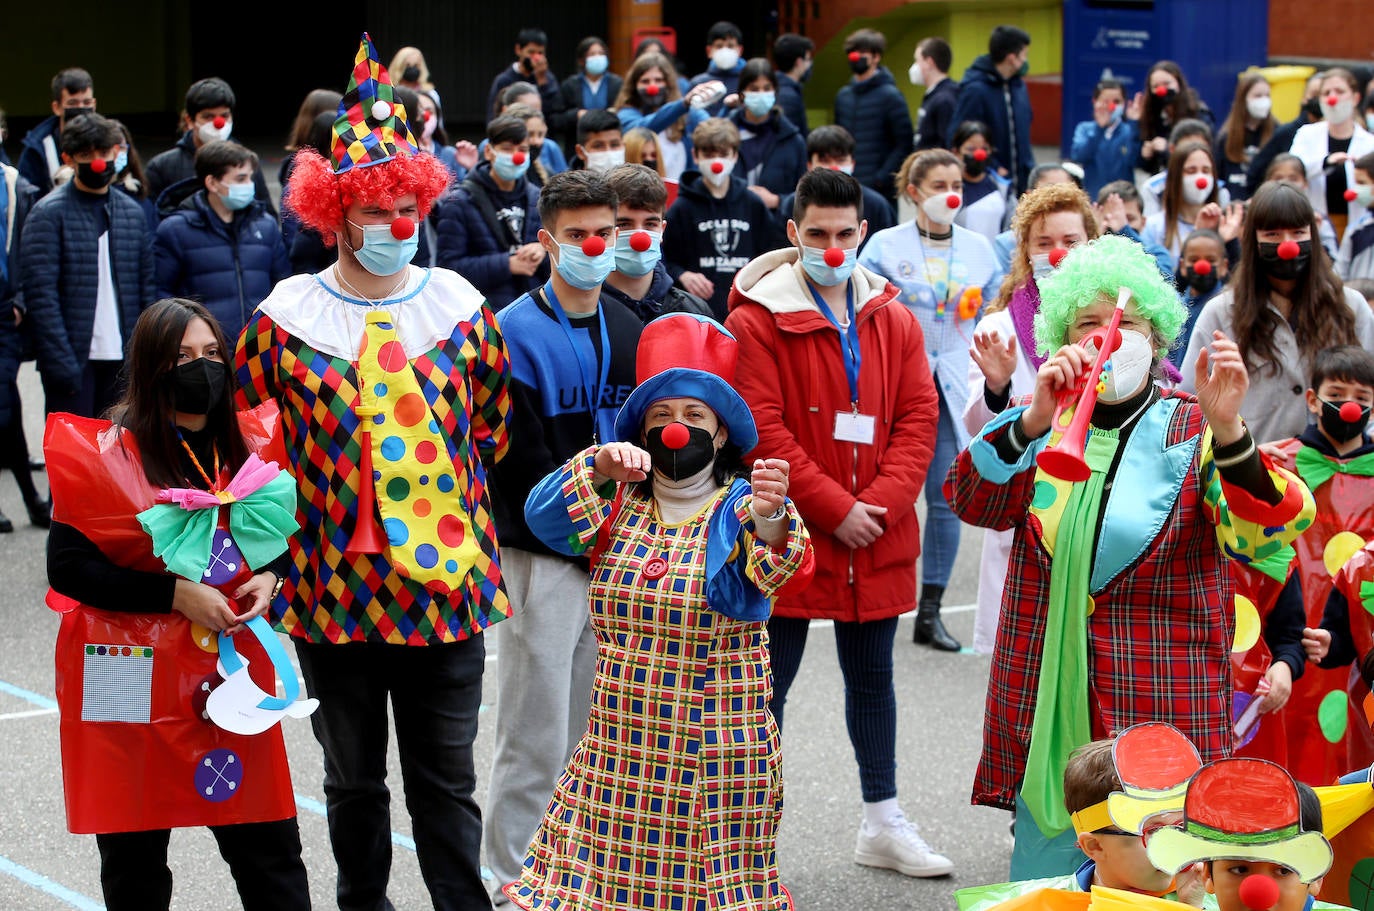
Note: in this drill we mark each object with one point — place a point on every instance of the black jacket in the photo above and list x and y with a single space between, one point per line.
61 277
1280 142
874 111
934 121
467 242
984 95
12 337
776 147
792 102
179 163
716 237
33 161
663 298
563 122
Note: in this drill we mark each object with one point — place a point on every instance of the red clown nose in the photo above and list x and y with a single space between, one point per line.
1202 267
834 257
99 165
594 246
403 228
1351 412
854 56
1057 256
651 90
1201 183
1331 101
518 159
640 241
676 435
1161 90
953 200
1289 249
220 122
717 167
1350 195
1258 892
980 154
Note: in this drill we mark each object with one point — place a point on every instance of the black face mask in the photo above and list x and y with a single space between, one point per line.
973 167
861 65
1284 269
653 101
1339 429
93 180
199 385
1202 285
535 149
1312 107
1167 98
677 464
410 74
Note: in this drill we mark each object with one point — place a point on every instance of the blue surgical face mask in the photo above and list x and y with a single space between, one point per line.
759 103
1040 265
239 196
581 271
121 162
596 64
813 261
381 253
631 262
507 169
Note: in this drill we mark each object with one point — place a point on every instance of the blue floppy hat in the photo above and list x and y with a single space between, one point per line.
684 355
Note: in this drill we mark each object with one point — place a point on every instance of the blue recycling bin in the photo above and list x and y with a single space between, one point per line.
1211 40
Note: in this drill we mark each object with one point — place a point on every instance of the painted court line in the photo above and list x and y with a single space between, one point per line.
43 702
31 713
42 883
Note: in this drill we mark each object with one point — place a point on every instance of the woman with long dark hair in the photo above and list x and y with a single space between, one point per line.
1168 100
1285 303
169 539
1246 130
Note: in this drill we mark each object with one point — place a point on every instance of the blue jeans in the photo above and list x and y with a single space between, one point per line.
941 543
435 693
870 703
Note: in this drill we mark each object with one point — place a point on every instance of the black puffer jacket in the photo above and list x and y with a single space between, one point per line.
22 195
61 277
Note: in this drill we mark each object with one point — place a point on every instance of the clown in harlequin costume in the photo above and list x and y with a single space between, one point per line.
169 535
392 384
1118 605
673 797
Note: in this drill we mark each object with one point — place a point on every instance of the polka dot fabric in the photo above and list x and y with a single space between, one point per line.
429 537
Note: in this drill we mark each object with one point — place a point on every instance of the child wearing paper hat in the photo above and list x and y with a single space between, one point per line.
1243 819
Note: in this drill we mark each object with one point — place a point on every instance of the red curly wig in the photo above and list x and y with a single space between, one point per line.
319 197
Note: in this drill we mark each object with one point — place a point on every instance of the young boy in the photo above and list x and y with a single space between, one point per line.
1257 839
572 355
1356 256
716 226
1118 212
640 281
725 50
1202 271
1106 146
1335 458
599 145
833 147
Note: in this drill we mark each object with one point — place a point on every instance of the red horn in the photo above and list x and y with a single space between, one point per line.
368 537
1064 460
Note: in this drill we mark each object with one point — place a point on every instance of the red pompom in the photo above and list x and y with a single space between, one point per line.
220 121
1161 90
1202 267
1289 249
640 241
426 116
594 246
1258 892
1202 183
954 200
403 228
717 167
980 154
1351 411
652 90
99 165
676 435
1057 256
854 56
1350 195
834 257
517 159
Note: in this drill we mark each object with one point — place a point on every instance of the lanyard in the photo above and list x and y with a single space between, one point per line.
585 370
209 484
849 341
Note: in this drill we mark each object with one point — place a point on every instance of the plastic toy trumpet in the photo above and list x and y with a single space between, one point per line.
1064 460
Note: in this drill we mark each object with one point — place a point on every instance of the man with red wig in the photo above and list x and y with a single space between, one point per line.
392 383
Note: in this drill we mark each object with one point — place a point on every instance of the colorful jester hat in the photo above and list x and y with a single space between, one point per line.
1242 809
1154 762
372 126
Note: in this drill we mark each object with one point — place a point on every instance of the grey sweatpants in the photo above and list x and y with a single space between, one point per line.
546 659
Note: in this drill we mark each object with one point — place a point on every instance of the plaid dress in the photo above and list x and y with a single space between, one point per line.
672 798
1160 629
328 596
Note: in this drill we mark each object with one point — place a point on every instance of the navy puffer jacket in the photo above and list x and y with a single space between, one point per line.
776 147
467 245
12 337
61 277
874 112
229 268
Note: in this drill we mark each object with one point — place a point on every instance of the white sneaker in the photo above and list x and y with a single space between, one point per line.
898 845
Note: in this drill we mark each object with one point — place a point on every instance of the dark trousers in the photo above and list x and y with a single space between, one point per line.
870 703
101 387
435 693
14 449
264 858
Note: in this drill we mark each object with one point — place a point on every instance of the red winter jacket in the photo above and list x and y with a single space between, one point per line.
791 372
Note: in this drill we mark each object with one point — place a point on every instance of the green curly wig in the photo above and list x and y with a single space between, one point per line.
1096 271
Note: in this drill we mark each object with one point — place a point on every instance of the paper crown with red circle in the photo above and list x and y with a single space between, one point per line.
1242 809
372 125
1154 762
684 355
